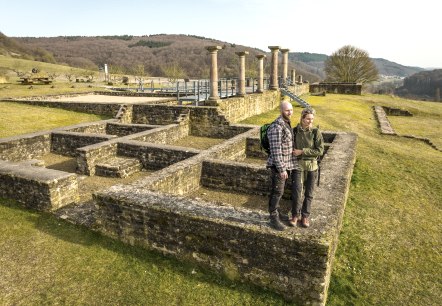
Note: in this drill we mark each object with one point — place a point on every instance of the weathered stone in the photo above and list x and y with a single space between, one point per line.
37 187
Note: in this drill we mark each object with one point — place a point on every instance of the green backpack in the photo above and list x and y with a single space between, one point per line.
264 138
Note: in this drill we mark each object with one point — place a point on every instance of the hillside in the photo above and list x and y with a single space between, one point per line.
14 48
156 52
423 85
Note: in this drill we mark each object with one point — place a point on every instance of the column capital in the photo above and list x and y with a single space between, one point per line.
213 48
260 56
285 50
274 48
242 53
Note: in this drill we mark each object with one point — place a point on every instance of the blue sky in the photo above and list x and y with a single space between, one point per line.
403 31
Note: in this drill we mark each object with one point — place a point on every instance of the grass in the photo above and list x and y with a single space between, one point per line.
18 118
389 250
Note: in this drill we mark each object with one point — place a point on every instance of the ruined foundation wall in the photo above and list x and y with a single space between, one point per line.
89 156
36 187
234 240
236 109
165 134
234 176
67 143
154 156
158 114
120 129
104 109
26 146
300 89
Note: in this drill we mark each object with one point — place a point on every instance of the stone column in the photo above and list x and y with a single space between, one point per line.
260 58
300 78
274 68
293 73
285 64
213 72
241 89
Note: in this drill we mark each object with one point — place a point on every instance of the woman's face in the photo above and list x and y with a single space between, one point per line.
307 121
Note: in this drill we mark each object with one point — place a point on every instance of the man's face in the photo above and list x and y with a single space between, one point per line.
307 121
287 111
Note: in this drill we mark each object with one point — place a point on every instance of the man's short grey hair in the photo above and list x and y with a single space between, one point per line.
307 111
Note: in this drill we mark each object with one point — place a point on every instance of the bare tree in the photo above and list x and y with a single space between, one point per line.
173 72
70 75
140 73
350 64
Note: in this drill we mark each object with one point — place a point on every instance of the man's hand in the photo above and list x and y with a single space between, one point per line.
297 152
283 175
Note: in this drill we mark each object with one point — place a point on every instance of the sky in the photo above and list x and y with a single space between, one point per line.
402 31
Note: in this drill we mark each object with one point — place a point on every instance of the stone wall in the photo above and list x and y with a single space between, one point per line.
26 146
300 88
234 240
166 134
89 156
105 109
36 187
337 88
158 114
236 109
235 176
67 143
98 127
396 112
120 129
154 156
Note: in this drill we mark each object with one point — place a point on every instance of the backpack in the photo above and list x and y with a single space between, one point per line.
264 138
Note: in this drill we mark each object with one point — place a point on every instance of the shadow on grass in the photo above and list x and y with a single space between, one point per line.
81 235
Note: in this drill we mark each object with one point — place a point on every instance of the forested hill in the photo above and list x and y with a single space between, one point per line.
156 52
425 84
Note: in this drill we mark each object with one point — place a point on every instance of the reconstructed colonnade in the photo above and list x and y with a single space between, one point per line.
241 90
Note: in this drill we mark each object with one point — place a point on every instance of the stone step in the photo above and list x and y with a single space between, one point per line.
118 167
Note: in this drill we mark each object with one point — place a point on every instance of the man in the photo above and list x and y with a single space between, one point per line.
281 160
309 145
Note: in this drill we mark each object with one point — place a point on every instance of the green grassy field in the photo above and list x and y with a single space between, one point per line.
18 118
389 252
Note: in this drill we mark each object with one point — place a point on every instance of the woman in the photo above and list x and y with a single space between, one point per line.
309 145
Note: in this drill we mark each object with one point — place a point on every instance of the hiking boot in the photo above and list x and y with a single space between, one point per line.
305 222
283 217
276 223
293 221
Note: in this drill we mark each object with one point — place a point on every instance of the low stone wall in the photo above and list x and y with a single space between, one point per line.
337 88
300 88
67 143
36 187
105 109
26 146
236 109
126 93
382 119
165 135
98 127
158 114
234 176
205 121
233 240
89 156
154 156
120 129
396 111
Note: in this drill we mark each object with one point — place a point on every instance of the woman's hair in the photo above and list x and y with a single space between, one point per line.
307 111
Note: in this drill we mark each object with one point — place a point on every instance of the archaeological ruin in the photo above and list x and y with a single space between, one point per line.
186 180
